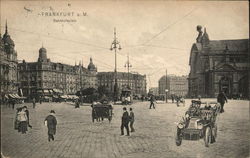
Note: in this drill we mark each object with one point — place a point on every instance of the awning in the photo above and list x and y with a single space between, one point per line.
12 96
16 96
73 96
57 91
39 91
64 96
46 91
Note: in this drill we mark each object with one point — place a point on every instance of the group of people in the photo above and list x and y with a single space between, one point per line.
22 119
22 122
127 120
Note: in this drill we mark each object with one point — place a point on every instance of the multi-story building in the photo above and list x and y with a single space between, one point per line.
8 66
218 65
45 77
176 85
136 82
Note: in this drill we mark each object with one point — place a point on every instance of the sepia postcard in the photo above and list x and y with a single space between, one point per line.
124 79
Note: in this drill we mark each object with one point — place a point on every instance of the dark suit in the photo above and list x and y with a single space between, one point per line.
125 122
152 99
221 98
51 124
28 117
132 120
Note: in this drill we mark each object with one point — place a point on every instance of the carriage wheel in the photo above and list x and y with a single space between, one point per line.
215 131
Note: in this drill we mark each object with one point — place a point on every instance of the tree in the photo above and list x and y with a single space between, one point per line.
103 90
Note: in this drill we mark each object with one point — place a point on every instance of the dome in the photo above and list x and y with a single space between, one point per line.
42 50
91 66
42 55
6 37
7 40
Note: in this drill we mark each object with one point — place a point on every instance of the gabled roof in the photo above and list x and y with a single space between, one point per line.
225 66
237 45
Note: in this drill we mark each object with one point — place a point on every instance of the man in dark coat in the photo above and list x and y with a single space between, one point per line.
51 122
28 116
13 102
152 99
221 98
125 121
77 104
132 120
34 102
172 97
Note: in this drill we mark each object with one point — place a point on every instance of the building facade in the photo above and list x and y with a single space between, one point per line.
176 85
8 66
154 91
218 65
136 82
45 77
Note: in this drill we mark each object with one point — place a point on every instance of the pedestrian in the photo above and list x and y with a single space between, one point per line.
51 122
172 97
28 116
221 98
40 100
142 98
34 102
22 118
125 121
13 102
77 104
152 102
199 97
17 122
132 119
178 100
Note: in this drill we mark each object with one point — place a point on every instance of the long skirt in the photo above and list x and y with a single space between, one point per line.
23 126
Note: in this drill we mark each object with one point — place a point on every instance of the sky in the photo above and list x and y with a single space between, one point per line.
157 35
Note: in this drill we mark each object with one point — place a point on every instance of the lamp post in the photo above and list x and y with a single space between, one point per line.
166 90
114 45
166 85
128 65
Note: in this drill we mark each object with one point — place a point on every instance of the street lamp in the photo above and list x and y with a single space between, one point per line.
128 65
114 45
166 90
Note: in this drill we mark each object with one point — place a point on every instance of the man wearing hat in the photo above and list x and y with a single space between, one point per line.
51 122
125 121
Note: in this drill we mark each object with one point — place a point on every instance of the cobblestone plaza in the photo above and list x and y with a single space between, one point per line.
78 137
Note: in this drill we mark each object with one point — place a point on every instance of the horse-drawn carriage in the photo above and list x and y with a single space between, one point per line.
101 111
199 122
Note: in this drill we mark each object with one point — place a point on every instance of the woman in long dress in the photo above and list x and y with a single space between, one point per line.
22 118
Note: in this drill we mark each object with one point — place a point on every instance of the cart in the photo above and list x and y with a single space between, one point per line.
101 111
199 123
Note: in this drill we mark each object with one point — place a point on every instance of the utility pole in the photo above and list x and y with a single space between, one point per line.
114 46
166 86
80 69
128 65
